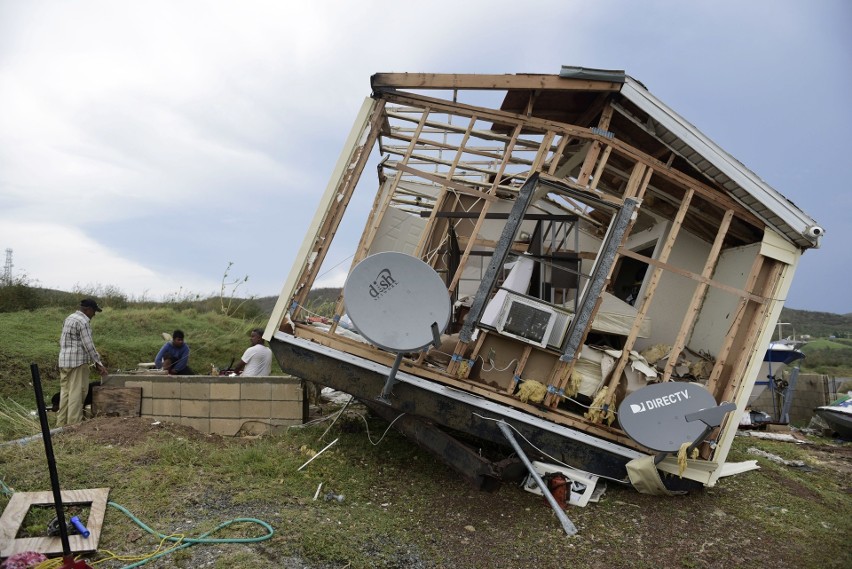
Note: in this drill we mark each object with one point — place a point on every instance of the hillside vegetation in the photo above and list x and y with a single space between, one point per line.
126 334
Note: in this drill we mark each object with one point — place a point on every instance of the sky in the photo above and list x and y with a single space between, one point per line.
148 146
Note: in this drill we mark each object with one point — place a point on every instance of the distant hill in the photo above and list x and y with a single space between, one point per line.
816 324
320 300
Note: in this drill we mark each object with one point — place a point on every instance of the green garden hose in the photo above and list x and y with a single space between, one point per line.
202 539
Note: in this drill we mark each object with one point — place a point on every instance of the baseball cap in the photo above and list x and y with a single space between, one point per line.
89 303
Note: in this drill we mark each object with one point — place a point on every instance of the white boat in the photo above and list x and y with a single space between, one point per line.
779 355
838 415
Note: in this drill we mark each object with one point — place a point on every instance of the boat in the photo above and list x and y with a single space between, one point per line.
600 261
780 355
838 415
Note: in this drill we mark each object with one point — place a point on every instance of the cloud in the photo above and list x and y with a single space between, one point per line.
64 257
129 125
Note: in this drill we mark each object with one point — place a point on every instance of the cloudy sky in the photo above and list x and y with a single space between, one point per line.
145 145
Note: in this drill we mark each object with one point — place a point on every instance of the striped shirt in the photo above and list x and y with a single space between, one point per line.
76 346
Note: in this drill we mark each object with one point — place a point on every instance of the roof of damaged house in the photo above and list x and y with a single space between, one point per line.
577 95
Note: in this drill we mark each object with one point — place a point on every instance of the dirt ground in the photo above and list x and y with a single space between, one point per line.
512 528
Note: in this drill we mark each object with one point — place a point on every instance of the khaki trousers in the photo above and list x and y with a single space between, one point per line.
73 385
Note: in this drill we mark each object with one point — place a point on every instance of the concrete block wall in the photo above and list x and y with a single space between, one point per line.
811 391
226 406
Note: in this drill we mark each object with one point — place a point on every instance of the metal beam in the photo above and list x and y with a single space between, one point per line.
498 258
594 288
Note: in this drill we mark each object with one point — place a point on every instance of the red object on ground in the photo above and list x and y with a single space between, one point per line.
71 563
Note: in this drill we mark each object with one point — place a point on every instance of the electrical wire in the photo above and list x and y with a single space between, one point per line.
494 367
370 438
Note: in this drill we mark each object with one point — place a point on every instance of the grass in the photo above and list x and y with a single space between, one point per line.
401 507
123 337
824 344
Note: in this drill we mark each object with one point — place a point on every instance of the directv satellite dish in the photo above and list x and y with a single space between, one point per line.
397 302
394 300
665 415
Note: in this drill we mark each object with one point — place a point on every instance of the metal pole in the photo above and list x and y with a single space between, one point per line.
560 513
386 391
51 463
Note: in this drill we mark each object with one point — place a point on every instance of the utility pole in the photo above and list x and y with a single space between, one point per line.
7 268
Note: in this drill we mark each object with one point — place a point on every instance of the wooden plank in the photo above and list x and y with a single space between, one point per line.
302 262
557 154
479 222
445 127
645 303
601 165
733 330
583 133
21 502
349 170
381 81
747 348
690 275
455 186
594 151
639 179
698 296
519 369
116 401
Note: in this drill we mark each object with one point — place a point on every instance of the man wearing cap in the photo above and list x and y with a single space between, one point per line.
76 352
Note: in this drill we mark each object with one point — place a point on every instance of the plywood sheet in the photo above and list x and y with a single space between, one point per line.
21 502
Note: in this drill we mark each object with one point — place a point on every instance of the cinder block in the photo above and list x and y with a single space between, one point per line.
193 408
165 407
226 427
165 389
193 390
147 406
290 410
255 409
229 391
145 385
224 409
286 392
202 425
257 390
254 428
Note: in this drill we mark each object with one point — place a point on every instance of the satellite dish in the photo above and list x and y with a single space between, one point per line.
665 415
395 301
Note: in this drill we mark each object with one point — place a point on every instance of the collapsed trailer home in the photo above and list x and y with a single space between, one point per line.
591 241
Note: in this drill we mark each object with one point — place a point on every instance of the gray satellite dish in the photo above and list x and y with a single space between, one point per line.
665 415
397 302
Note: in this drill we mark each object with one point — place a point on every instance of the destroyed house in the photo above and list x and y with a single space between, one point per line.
592 242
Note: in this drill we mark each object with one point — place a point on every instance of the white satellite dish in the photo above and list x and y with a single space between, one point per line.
397 302
394 300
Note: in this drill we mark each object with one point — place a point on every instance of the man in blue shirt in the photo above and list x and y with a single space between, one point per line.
178 352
